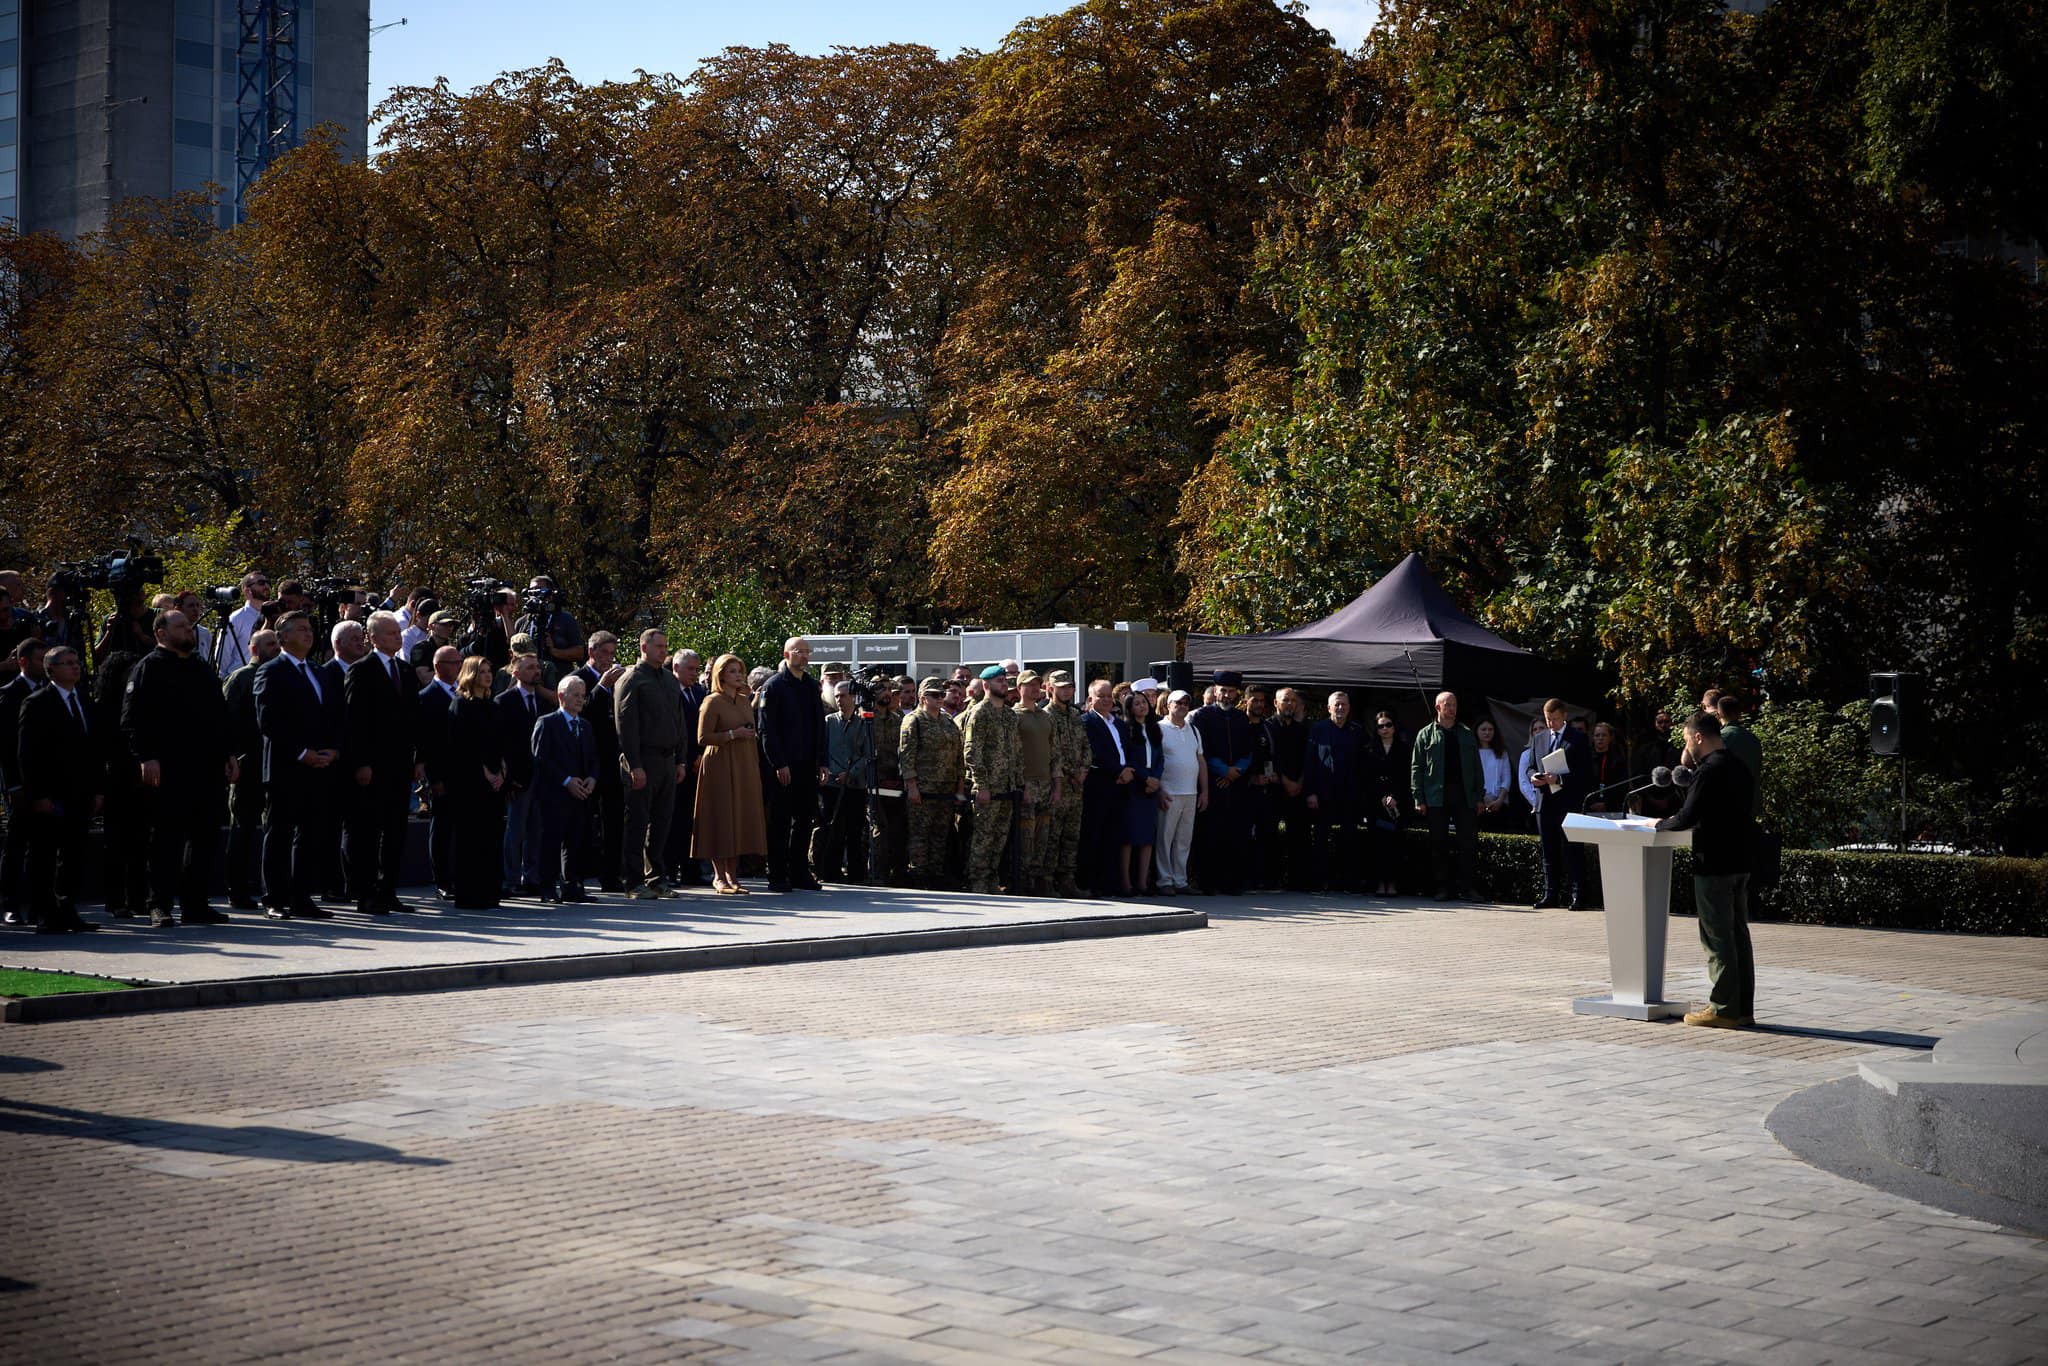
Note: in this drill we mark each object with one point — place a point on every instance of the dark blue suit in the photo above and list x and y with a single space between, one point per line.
294 717
563 747
517 715
433 704
1105 804
793 737
1333 772
1564 863
1223 833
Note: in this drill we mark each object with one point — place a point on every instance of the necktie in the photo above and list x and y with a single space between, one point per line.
311 682
532 707
77 713
391 666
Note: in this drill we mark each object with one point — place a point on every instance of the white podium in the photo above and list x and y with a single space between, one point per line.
1635 880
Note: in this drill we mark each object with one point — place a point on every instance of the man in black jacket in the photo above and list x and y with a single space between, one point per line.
299 712
600 673
29 679
793 739
520 708
245 798
175 720
380 753
63 781
433 703
1557 796
1717 810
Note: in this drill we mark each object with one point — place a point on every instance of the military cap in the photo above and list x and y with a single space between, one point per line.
835 667
1058 677
445 618
1028 676
522 643
992 671
1227 678
933 686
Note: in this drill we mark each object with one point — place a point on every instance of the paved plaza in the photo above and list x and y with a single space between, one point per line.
1313 1131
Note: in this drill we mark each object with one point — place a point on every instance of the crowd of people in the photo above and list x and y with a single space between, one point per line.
549 767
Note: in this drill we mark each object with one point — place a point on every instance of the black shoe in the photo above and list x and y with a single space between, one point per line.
1577 904
306 910
161 920
1470 894
1546 902
242 901
334 897
808 886
13 919
575 892
54 927
778 886
611 884
202 915
443 894
276 913
372 908
552 896
120 913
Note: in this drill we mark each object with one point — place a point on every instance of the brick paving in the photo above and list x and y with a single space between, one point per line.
1305 1134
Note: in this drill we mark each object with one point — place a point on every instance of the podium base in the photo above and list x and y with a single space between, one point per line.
1628 1010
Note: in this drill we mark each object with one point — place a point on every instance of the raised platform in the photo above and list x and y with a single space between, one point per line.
251 960
1963 1126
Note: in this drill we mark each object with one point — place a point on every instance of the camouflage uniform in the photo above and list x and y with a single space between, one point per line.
1060 846
1037 737
928 749
992 754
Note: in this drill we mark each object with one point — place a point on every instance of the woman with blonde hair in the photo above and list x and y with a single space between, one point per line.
730 818
474 785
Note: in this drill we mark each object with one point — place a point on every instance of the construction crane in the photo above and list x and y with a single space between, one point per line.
267 95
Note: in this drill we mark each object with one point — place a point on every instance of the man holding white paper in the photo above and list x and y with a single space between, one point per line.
1562 775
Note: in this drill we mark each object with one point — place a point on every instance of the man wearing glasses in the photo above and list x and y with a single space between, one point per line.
244 621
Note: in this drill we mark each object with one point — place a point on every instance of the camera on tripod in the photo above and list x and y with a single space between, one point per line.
481 595
538 602
332 593
223 598
865 685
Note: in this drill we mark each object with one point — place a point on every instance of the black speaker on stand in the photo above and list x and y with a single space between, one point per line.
1892 699
1174 675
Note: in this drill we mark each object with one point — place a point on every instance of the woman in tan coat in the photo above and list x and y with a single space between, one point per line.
730 823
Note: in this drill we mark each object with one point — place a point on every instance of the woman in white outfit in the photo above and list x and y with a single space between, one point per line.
1184 786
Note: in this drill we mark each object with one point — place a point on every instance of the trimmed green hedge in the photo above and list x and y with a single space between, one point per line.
1815 887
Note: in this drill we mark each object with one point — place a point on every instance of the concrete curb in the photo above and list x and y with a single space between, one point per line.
633 962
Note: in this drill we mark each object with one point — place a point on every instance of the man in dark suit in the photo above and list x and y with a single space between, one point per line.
380 753
793 739
520 708
683 870
29 679
175 720
433 704
299 711
245 797
63 781
1223 833
1105 793
1557 796
350 645
565 780
600 674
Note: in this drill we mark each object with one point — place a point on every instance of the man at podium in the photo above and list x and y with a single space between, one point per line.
1717 810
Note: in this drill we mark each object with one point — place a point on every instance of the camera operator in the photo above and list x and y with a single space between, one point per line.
245 621
175 720
28 679
63 623
601 673
245 798
380 755
556 636
299 712
440 632
129 629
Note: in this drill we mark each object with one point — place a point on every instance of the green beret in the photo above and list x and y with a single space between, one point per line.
992 671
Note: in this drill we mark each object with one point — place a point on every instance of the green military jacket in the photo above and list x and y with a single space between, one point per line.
994 752
1069 744
928 749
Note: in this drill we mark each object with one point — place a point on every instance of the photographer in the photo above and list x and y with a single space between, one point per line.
63 623
556 636
175 721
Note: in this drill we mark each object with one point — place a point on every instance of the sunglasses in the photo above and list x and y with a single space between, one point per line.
1386 725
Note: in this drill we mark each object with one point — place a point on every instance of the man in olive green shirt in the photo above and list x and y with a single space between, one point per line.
1444 775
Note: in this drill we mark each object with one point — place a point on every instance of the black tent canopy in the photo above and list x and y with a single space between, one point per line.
1403 632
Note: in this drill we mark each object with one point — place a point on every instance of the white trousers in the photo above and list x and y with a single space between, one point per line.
1176 833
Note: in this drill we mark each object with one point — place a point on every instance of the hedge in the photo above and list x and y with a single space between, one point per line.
1815 887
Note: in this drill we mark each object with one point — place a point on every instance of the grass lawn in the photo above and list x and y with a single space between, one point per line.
30 982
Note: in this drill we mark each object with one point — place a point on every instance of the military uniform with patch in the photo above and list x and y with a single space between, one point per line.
1059 845
929 753
992 754
1039 766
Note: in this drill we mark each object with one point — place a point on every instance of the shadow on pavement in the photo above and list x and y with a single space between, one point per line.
1882 1037
12 1063
249 1140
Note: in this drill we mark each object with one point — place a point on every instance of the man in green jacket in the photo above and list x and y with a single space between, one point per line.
1444 775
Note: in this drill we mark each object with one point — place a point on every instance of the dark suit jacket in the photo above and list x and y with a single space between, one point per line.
382 720
515 733
793 723
245 742
12 696
433 704
1578 778
604 722
693 701
1101 747
557 755
56 759
1146 749
292 718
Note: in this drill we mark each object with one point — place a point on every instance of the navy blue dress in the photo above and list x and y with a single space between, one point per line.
1146 753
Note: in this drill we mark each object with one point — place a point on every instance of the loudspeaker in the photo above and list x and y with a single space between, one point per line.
1173 674
1891 699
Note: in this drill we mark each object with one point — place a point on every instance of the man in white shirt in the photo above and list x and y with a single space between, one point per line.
244 621
1184 778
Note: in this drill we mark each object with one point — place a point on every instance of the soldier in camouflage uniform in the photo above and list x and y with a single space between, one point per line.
929 752
1039 777
1059 845
993 757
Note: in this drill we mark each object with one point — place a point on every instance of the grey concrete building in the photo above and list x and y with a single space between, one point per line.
101 100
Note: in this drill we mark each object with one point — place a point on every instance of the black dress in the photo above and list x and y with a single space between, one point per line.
477 854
